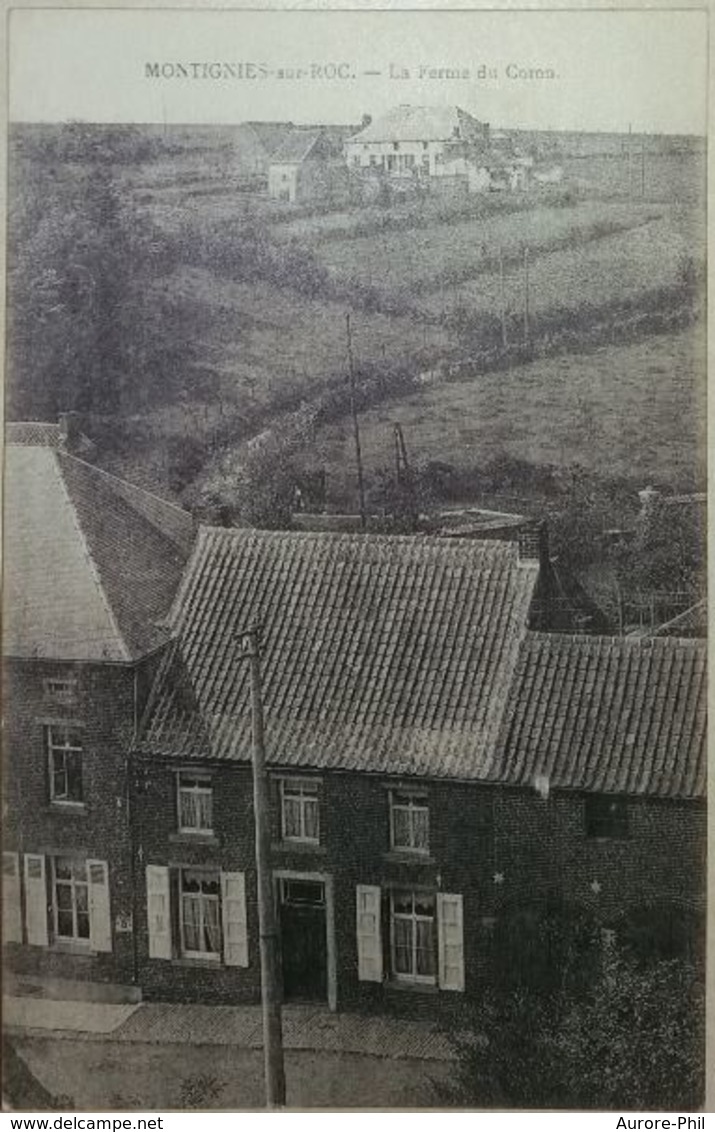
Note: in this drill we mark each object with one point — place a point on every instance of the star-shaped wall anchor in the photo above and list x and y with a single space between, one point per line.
498 878
595 887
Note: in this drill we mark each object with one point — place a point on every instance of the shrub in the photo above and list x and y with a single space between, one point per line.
635 1041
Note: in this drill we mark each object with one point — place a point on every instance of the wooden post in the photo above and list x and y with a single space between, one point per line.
502 300
356 428
267 920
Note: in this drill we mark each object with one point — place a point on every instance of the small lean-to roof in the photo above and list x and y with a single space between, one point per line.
380 653
90 563
415 123
616 715
296 147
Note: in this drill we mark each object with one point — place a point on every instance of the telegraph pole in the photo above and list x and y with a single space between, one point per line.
274 1068
356 427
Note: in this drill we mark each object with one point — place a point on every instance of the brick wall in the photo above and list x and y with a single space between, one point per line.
533 847
104 706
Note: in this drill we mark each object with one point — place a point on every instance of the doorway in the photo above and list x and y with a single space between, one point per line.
306 945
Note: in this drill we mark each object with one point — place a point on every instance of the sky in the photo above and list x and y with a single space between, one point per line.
580 70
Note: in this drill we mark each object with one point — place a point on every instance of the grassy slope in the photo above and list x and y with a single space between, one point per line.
635 410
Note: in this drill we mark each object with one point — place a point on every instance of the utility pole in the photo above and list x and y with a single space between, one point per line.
526 296
643 167
502 299
630 160
356 427
274 1068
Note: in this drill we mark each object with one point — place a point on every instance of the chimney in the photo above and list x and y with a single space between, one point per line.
70 429
366 121
533 544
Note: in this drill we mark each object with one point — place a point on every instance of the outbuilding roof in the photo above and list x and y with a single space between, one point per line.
296 147
91 563
615 715
380 653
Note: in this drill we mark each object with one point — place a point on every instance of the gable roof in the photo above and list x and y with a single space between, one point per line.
90 562
616 715
296 147
380 653
415 123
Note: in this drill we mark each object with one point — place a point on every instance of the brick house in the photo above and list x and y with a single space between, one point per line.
90 567
435 764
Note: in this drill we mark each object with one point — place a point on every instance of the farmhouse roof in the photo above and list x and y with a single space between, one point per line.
91 563
415 123
380 653
269 134
615 715
296 147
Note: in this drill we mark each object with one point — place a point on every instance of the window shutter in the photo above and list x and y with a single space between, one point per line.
451 942
158 911
100 924
35 899
369 936
235 925
11 910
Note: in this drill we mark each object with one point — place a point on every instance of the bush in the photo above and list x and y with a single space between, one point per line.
635 1041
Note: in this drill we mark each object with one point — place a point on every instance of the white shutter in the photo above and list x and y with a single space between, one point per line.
235 925
158 902
35 899
11 910
451 941
369 935
100 924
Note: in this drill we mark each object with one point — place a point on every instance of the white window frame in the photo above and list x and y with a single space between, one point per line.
63 748
73 884
415 802
413 918
195 791
304 792
209 874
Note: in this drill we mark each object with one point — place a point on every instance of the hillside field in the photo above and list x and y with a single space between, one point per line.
636 411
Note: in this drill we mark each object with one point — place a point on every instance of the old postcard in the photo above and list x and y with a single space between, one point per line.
355 622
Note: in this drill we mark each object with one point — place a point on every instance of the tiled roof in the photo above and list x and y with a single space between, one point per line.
414 123
379 653
617 715
296 147
90 562
41 433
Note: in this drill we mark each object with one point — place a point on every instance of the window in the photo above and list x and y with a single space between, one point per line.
413 936
195 803
65 756
409 160
200 894
395 145
70 898
606 816
61 691
409 822
300 819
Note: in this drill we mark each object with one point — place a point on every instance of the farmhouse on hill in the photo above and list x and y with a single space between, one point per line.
415 139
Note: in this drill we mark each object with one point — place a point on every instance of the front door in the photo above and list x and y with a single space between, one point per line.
303 940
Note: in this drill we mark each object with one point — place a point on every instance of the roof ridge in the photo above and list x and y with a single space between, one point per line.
604 640
472 547
126 484
94 570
